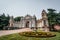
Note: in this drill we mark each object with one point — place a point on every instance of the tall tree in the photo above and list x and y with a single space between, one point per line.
53 17
4 20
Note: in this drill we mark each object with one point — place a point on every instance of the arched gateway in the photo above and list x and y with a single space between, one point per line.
27 24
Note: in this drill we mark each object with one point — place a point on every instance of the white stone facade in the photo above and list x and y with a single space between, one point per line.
31 22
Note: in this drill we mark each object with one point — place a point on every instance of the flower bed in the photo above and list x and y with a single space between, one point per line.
38 34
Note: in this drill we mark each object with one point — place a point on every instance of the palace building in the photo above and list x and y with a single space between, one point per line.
29 21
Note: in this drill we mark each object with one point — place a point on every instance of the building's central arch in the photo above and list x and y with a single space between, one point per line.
27 24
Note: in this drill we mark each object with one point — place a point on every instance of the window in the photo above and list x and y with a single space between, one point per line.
44 22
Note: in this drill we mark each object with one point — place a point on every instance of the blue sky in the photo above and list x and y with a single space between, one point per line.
31 7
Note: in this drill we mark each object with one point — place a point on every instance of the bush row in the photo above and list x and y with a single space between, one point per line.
38 34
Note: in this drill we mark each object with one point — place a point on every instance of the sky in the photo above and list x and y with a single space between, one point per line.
23 7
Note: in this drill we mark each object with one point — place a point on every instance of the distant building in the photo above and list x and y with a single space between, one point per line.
31 22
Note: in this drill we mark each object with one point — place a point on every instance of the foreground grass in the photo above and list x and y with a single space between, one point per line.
18 37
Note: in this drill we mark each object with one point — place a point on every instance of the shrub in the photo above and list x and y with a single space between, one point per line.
38 34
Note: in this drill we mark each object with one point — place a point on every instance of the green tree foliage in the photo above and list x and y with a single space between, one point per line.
17 18
4 20
58 18
53 17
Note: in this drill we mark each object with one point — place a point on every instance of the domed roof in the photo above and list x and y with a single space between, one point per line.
28 16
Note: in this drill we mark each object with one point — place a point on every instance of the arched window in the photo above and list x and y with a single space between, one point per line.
44 22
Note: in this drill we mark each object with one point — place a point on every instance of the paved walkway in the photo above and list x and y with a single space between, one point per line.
7 32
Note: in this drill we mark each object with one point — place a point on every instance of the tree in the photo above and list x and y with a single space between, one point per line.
17 18
4 20
58 18
51 10
53 17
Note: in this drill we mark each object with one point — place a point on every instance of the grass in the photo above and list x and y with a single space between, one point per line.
18 37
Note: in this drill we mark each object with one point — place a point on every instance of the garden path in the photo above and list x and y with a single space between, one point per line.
7 32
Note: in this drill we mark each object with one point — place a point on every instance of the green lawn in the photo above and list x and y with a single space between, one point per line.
18 37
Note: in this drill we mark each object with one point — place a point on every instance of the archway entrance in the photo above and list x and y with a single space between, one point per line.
27 24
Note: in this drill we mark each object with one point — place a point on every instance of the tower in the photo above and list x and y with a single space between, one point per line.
45 20
11 21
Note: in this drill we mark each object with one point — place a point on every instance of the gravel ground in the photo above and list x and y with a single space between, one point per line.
7 32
